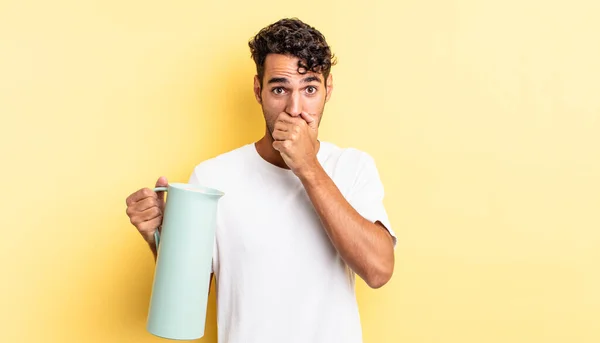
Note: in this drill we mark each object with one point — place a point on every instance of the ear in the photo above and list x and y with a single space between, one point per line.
257 89
329 88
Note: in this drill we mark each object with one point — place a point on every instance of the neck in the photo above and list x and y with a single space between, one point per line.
265 149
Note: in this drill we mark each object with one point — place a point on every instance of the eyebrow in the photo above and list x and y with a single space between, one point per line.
286 81
311 79
278 80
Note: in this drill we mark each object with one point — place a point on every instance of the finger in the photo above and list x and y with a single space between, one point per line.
282 126
286 118
287 126
139 195
148 227
282 146
140 217
281 135
161 182
134 210
144 204
310 119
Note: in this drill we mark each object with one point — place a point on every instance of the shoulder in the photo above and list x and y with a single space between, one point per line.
349 167
224 163
349 157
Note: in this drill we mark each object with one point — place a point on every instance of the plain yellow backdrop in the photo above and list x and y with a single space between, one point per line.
483 117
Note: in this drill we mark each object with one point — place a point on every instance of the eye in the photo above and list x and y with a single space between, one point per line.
311 89
278 90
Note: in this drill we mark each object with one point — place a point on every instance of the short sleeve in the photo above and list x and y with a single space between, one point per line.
195 180
367 192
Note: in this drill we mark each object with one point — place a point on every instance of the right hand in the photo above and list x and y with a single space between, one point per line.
145 210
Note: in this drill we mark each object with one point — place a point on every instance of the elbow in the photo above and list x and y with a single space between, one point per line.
379 280
381 275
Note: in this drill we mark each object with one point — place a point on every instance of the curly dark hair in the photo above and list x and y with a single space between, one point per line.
291 36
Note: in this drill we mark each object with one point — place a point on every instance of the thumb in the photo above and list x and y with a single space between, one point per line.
312 123
161 182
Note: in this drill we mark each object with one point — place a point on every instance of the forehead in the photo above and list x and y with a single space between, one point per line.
277 65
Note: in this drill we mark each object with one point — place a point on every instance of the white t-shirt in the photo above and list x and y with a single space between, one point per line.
278 276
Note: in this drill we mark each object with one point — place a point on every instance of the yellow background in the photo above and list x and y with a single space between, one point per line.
483 117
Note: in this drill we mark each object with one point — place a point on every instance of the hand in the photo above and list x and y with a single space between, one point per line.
145 210
296 139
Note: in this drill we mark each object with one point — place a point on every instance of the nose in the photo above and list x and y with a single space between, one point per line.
294 105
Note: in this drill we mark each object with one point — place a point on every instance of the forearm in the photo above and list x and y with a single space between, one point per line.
367 248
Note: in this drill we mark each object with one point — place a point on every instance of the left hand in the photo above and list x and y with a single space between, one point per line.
296 139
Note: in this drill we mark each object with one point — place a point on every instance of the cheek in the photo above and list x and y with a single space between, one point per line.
272 103
315 105
271 110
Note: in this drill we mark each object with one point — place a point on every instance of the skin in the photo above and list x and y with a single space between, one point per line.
292 105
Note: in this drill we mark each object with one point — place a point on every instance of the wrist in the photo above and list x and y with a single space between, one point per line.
311 173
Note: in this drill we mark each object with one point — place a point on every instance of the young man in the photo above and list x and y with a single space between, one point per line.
300 218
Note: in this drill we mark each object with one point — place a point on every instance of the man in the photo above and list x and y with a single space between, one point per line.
300 217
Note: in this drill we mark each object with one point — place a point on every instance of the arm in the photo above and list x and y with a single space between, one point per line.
366 247
364 244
